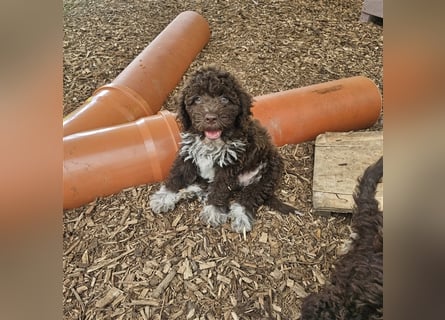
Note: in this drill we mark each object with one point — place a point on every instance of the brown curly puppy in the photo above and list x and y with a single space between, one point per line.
226 158
356 288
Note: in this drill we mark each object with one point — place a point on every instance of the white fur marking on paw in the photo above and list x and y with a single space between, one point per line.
240 220
163 200
213 216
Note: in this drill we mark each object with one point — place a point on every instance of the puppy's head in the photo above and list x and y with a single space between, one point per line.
212 103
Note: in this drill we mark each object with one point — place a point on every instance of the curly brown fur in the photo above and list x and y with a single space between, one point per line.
226 157
356 287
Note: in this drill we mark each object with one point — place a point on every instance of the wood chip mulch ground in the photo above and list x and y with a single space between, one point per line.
121 261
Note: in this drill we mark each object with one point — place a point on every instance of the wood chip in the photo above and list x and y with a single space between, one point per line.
124 216
233 300
111 294
263 237
164 284
207 265
177 219
146 302
85 260
277 274
246 280
290 283
276 308
102 264
78 298
81 289
185 269
320 278
72 247
299 290
222 278
117 301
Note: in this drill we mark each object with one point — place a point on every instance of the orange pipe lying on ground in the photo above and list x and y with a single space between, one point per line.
104 161
142 87
301 114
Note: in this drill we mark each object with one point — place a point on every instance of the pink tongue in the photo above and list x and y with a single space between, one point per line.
212 135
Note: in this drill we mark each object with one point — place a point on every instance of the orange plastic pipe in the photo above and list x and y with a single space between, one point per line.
143 86
301 114
102 162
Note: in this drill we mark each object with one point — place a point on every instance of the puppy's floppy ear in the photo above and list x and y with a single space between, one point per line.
245 105
183 116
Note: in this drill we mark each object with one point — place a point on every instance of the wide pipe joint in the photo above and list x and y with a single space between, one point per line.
105 161
143 86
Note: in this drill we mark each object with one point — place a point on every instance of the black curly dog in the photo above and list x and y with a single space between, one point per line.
355 291
226 158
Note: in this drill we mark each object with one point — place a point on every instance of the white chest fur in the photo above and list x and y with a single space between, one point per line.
206 167
207 155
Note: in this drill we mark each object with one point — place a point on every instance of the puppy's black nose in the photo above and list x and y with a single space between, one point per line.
210 118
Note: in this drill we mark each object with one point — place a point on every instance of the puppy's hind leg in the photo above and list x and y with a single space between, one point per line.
243 209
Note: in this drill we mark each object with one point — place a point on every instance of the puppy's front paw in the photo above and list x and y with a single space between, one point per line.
163 200
242 221
213 215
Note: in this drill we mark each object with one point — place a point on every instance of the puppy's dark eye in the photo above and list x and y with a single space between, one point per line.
197 100
224 100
